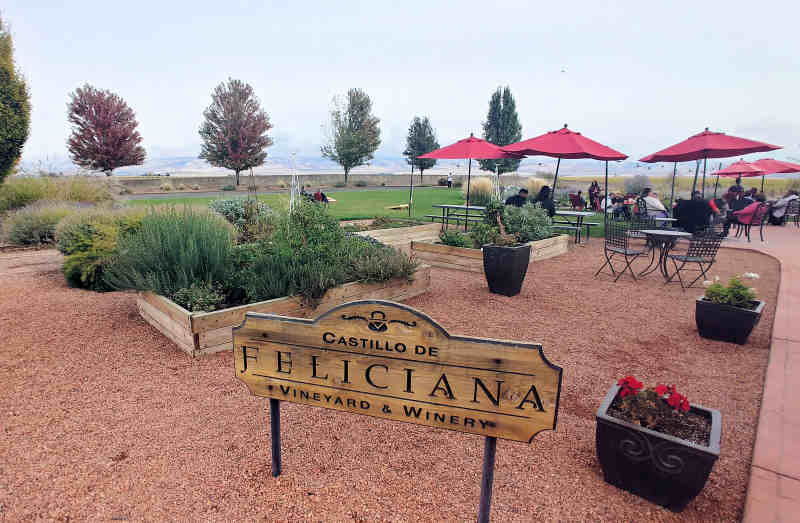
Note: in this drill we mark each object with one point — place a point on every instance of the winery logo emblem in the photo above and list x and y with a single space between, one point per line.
377 321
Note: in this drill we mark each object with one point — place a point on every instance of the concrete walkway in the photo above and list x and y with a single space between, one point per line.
773 494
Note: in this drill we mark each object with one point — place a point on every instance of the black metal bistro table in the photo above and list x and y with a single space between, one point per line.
459 212
579 216
664 240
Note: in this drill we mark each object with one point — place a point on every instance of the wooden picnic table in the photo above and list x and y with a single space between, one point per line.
457 213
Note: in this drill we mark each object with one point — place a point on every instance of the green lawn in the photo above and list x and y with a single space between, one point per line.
350 205
355 205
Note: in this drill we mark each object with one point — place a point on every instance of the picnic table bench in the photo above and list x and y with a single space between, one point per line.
458 214
575 225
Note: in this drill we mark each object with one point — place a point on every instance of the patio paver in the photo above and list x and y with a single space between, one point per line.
773 494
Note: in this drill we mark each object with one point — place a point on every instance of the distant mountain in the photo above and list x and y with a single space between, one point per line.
380 164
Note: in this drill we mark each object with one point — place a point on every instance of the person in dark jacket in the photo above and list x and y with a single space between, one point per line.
519 199
543 198
693 215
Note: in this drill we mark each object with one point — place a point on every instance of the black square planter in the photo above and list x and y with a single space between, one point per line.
662 469
717 321
505 268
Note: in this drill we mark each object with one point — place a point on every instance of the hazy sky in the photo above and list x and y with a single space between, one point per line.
637 76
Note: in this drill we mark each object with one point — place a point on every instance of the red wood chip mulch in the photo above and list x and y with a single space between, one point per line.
103 418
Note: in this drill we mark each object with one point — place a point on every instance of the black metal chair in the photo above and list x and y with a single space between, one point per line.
702 250
617 243
793 212
641 208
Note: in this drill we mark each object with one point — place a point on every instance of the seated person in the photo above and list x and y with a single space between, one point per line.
305 195
519 199
580 203
692 215
743 216
655 209
319 196
778 209
620 210
543 198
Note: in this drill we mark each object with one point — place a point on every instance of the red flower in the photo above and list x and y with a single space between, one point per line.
629 386
674 399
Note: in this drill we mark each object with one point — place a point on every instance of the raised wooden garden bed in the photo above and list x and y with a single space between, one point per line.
198 333
471 260
401 237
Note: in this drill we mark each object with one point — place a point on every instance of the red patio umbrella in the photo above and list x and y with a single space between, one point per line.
470 149
707 145
740 168
565 143
737 170
772 166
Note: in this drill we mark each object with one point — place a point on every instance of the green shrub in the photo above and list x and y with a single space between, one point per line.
340 184
736 293
454 238
483 234
441 181
228 187
494 209
75 233
241 212
199 298
360 183
17 192
88 239
171 250
371 262
528 223
309 253
166 187
36 223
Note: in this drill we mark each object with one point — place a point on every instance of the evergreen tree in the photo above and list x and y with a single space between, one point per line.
234 131
421 140
501 127
15 106
104 134
354 133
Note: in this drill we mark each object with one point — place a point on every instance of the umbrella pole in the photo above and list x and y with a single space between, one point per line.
672 193
762 183
694 183
555 180
469 174
411 191
605 205
716 184
705 161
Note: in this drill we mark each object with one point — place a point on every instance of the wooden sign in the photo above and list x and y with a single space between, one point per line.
387 360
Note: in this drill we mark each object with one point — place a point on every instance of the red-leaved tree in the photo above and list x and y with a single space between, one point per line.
104 134
234 131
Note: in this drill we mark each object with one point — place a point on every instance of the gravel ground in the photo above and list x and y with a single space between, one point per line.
104 419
